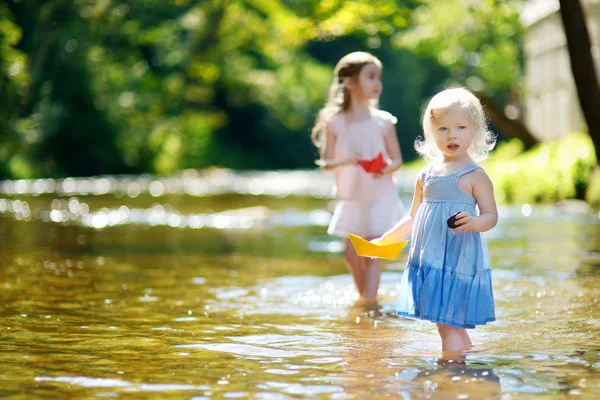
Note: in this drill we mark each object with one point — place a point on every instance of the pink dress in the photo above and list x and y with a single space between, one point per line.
368 207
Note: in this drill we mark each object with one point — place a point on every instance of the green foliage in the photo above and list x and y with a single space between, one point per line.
14 78
548 173
593 194
157 86
479 41
65 132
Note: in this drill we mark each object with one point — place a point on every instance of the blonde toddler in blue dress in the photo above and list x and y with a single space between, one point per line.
448 276
448 279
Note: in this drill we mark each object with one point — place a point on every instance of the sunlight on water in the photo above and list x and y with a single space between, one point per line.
190 182
71 211
224 286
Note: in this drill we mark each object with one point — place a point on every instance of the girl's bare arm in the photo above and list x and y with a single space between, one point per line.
402 229
393 149
483 191
326 162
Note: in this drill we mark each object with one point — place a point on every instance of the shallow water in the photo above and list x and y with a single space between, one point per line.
178 293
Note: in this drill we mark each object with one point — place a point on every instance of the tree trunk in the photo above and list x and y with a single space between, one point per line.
513 128
582 67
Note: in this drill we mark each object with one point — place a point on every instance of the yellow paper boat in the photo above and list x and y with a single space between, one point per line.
364 248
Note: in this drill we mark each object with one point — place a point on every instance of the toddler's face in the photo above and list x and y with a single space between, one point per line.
369 82
453 134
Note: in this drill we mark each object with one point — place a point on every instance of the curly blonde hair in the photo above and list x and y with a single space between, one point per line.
456 99
338 99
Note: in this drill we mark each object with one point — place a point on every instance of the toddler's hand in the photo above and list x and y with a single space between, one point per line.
378 241
464 222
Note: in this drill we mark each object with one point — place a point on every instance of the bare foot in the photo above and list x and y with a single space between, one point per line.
365 306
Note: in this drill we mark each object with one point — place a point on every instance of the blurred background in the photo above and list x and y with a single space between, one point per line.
163 224
97 87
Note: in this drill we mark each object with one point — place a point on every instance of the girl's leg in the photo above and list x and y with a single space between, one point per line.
372 278
452 338
356 265
466 339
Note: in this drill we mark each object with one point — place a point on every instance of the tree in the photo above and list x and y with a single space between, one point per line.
480 43
158 86
582 66
14 77
55 127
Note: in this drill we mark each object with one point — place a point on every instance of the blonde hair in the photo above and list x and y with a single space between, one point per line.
456 99
338 99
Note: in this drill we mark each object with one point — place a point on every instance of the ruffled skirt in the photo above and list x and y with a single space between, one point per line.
449 297
448 277
366 219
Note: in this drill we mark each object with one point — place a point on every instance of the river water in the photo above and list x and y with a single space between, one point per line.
222 285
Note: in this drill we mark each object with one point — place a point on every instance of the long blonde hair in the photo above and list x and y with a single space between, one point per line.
456 99
338 99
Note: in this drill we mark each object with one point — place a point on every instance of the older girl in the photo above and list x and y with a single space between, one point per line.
351 128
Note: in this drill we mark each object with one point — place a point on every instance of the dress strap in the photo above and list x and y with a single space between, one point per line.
466 169
424 172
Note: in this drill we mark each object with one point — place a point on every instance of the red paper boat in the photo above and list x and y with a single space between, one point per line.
373 166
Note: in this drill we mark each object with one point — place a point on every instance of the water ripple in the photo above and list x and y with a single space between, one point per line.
252 351
111 383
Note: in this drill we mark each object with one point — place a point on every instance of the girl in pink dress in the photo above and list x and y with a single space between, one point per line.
350 129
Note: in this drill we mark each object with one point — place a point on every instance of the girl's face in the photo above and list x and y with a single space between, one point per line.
368 83
454 133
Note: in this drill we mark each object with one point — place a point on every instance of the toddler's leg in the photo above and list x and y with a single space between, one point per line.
356 266
452 338
466 339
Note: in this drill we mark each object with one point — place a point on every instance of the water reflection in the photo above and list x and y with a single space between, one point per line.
450 379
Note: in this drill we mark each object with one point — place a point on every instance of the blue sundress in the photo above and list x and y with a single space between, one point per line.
448 277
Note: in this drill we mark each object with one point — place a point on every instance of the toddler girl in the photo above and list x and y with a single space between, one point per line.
448 278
